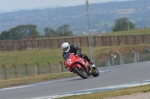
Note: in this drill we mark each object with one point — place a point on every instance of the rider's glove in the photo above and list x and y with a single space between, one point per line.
78 52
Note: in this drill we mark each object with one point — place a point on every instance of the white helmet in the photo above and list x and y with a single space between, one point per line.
65 46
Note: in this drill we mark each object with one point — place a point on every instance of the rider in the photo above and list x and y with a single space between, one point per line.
76 51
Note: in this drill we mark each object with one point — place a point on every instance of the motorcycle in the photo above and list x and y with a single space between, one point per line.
80 66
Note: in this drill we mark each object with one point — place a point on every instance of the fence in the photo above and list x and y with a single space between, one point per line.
106 60
118 58
25 70
81 41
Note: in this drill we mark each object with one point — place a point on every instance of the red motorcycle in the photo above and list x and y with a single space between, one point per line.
80 66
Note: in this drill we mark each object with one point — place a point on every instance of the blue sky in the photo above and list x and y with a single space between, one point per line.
9 5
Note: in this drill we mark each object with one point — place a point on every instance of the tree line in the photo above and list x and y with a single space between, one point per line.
30 31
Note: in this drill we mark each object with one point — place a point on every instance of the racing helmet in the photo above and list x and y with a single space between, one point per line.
65 47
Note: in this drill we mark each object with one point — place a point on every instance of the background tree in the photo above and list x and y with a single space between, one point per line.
123 24
64 30
23 31
31 30
49 32
4 35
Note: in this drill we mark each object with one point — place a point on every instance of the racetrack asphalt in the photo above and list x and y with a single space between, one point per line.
111 75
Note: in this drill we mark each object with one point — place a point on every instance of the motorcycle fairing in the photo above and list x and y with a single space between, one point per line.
72 60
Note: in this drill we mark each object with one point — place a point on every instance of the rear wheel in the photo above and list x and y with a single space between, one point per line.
81 72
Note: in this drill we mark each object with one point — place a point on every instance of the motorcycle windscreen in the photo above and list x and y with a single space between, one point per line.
69 56
66 56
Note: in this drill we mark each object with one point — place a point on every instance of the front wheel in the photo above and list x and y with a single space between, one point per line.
95 72
81 72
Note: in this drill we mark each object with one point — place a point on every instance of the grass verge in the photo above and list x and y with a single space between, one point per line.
33 79
120 92
42 56
130 32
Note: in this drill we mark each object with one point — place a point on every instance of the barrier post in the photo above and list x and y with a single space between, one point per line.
5 75
121 58
50 69
15 70
26 69
62 70
135 55
38 68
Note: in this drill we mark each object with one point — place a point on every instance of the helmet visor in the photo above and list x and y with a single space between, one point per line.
65 49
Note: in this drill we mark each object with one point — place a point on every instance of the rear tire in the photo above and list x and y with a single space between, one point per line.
81 72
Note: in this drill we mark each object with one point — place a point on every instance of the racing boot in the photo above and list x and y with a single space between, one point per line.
92 64
91 67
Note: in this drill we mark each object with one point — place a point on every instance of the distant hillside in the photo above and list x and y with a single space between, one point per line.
102 16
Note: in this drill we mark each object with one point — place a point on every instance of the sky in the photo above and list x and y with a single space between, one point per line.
10 5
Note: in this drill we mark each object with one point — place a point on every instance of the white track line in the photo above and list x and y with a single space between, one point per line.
101 89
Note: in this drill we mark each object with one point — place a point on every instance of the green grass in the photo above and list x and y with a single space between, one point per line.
130 32
126 32
33 79
114 93
30 57
42 56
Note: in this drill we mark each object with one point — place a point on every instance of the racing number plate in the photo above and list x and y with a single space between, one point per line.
69 61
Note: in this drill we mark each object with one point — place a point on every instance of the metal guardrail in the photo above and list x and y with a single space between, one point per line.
118 59
135 55
121 59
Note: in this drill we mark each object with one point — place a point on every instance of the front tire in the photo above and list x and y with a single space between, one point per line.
81 72
95 72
